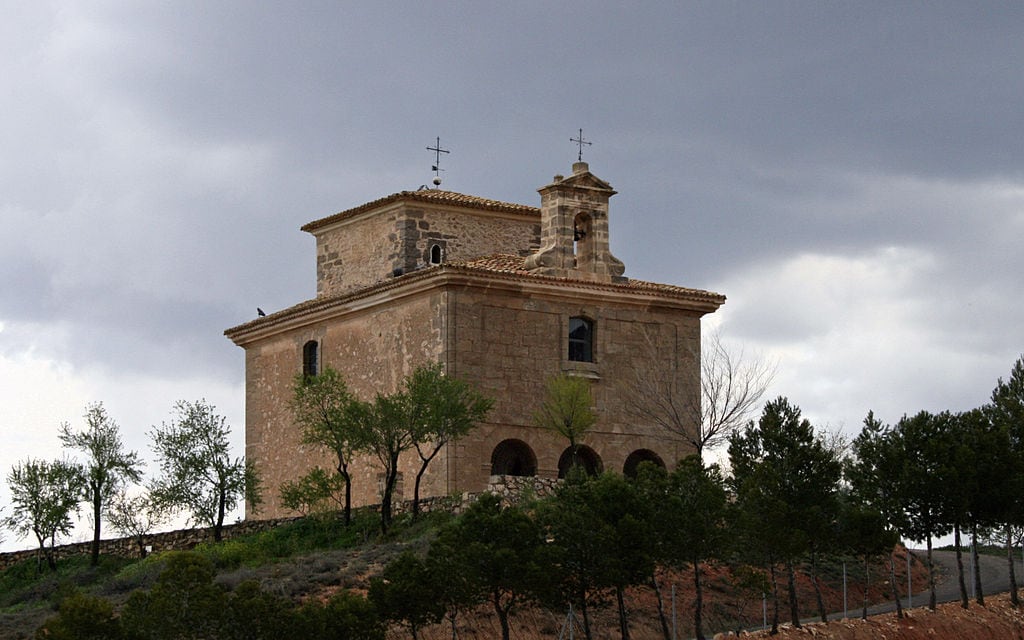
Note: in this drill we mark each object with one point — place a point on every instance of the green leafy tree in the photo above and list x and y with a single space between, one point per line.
698 503
332 419
198 473
445 408
567 410
786 482
82 617
253 614
922 443
108 467
1006 412
392 431
862 531
135 517
317 492
428 412
184 604
345 616
500 549
451 577
43 497
599 543
873 474
405 592
976 482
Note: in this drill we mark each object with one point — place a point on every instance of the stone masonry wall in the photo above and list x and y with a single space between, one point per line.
509 343
373 350
368 250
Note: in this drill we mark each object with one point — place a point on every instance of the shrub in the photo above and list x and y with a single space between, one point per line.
82 617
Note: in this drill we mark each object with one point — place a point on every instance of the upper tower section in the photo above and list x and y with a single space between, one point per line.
574 229
410 230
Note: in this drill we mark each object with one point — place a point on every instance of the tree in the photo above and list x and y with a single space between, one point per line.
253 614
391 432
345 616
135 517
732 383
184 604
317 492
922 444
450 573
863 532
108 466
600 543
446 408
43 496
405 592
977 486
499 548
334 420
198 473
874 473
1006 411
701 498
567 410
688 526
786 483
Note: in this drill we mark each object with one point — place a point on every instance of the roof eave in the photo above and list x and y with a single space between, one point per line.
692 300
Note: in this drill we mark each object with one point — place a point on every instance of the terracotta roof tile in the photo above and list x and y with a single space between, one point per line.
512 264
499 265
427 195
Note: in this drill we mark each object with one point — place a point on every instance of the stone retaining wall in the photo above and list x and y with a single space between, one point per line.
512 489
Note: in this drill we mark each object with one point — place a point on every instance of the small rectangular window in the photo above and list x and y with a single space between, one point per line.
581 340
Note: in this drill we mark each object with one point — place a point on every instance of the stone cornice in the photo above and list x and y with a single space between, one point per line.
632 293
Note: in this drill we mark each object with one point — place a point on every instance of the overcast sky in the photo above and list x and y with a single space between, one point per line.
850 176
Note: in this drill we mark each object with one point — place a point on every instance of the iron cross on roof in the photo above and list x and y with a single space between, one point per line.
580 142
436 168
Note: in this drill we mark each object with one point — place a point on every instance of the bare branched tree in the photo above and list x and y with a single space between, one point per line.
732 383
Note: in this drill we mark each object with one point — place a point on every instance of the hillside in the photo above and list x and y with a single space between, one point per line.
997 619
301 561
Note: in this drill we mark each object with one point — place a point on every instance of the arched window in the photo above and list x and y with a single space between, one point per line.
585 457
636 458
310 358
436 254
513 458
581 340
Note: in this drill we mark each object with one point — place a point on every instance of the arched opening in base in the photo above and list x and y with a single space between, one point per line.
585 457
513 458
637 457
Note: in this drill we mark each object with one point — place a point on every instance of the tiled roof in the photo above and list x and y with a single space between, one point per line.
512 264
427 195
500 266
502 262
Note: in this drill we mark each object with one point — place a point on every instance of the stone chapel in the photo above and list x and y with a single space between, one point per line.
503 295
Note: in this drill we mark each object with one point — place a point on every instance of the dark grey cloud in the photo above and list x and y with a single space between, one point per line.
159 160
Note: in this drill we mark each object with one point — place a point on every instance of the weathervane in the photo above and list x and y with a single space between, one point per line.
580 142
436 168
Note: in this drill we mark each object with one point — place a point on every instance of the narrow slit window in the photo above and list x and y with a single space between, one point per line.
581 340
435 254
310 358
